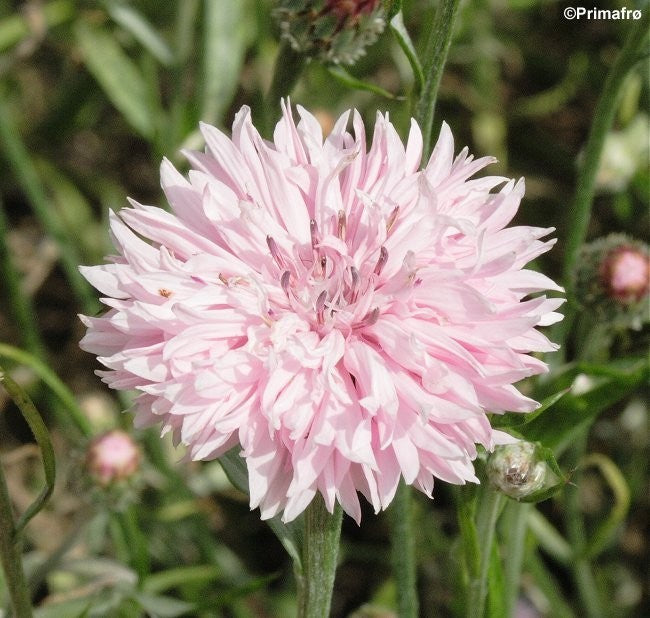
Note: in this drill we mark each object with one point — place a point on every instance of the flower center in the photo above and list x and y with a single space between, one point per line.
324 286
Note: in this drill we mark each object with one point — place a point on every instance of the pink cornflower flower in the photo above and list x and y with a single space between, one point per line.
343 317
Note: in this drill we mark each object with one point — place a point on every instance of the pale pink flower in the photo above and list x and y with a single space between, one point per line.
343 317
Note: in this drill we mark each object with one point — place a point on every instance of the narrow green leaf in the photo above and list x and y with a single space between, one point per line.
574 412
607 527
42 436
138 26
52 381
74 211
227 36
551 541
22 166
515 419
164 607
404 40
170 578
353 82
117 74
549 586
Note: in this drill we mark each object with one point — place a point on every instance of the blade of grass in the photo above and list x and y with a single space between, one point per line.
57 387
42 436
138 26
404 40
119 77
349 80
226 40
25 172
11 558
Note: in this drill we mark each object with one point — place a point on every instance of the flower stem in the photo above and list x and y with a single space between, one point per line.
403 554
582 571
288 68
435 57
489 508
516 526
580 212
319 555
11 556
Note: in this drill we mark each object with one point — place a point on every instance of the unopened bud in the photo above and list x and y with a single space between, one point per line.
112 457
612 280
332 30
522 471
625 273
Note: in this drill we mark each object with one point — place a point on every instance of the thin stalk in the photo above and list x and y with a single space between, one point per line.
69 410
288 68
516 526
437 48
136 542
21 307
403 553
18 158
488 514
579 213
10 554
582 572
319 555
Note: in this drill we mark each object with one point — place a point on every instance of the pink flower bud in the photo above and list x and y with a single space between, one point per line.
625 273
112 457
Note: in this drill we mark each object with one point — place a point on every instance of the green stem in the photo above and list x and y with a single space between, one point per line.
288 68
319 555
488 514
579 213
403 553
11 556
25 172
582 571
516 526
435 57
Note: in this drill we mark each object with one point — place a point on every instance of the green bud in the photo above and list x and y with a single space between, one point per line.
524 471
335 31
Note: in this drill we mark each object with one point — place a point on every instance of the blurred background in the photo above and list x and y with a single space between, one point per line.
92 95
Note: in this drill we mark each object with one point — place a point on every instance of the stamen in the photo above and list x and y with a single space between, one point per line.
323 265
381 262
341 225
223 279
313 230
370 318
284 282
392 218
354 285
275 251
320 301
320 307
